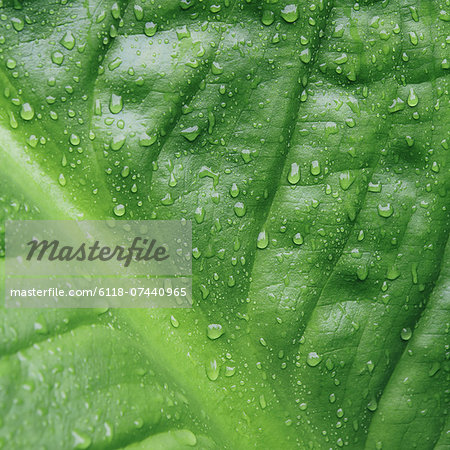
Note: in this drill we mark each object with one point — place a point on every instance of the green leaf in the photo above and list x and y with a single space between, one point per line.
308 143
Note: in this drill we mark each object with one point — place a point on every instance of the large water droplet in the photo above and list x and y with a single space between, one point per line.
27 111
115 103
406 334
289 13
346 179
385 210
214 331
294 174
263 240
313 359
212 370
68 40
191 133
119 210
239 209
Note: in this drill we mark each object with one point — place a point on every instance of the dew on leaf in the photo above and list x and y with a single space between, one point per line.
413 100
385 210
263 240
191 133
27 111
74 139
268 17
115 103
212 370
214 331
346 179
239 209
68 40
119 210
313 359
57 58
315 168
290 13
406 334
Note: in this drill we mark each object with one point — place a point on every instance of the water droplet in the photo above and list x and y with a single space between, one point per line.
406 334
138 12
393 273
183 32
27 111
315 168
215 8
413 100
294 174
199 214
174 322
362 272
11 63
117 142
262 240
17 23
229 371
234 190
262 401
74 139
207 172
119 210
68 40
413 38
62 179
57 58
298 239
216 68
346 179
214 331
81 440
372 405
146 141
268 17
150 29
212 370
239 209
115 104
385 210
289 13
191 133
313 359
305 55
397 105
